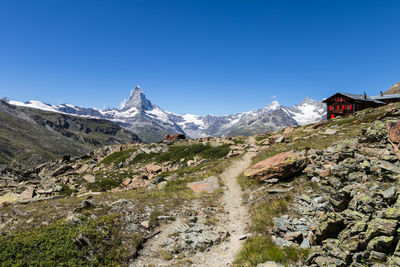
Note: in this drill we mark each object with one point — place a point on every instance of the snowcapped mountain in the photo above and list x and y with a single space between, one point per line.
309 111
151 123
269 118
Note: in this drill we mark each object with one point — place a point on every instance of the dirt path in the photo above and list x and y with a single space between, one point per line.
236 218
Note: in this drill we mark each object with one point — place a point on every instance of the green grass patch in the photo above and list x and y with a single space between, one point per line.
117 157
264 211
104 184
261 249
108 180
261 137
166 255
54 245
66 191
246 183
187 152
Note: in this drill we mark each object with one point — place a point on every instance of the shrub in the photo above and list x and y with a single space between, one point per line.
104 184
54 245
117 157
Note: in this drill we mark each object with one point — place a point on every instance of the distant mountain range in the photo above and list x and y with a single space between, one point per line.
151 123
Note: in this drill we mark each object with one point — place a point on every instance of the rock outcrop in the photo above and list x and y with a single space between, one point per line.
281 166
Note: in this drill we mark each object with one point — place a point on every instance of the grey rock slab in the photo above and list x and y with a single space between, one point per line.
330 131
270 264
208 185
89 178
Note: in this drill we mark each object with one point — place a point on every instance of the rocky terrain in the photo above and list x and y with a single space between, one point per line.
150 122
324 194
31 136
337 201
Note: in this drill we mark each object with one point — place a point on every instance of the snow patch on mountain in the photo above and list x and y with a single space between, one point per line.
273 106
309 111
34 104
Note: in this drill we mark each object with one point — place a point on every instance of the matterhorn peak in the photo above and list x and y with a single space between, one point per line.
137 90
138 100
274 105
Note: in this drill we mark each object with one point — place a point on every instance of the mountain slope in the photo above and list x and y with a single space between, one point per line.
394 89
31 136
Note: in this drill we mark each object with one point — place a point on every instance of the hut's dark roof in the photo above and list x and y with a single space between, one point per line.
378 97
373 99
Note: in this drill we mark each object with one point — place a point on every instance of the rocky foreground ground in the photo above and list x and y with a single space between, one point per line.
324 194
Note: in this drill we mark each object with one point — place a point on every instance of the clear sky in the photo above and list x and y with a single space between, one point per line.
196 56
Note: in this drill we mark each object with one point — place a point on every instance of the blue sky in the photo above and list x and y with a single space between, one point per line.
196 56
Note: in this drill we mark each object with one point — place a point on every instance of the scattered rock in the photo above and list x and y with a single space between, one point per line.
208 185
126 181
86 204
152 168
379 226
270 264
28 193
174 137
89 178
9 197
145 224
393 129
294 237
82 241
381 244
330 225
278 191
330 131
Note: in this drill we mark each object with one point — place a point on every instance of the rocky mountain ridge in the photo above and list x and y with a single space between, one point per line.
151 123
394 89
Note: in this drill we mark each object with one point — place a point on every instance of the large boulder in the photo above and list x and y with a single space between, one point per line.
381 244
152 168
281 166
378 227
393 129
375 133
